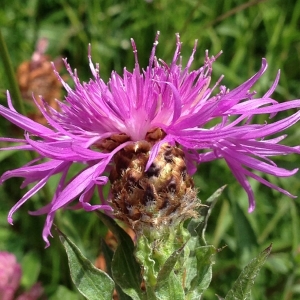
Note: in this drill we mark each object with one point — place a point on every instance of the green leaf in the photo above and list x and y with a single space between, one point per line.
31 267
64 293
199 272
6 154
169 265
197 227
125 269
170 288
241 289
91 282
108 255
246 238
144 255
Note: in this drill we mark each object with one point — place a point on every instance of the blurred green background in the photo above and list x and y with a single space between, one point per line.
246 31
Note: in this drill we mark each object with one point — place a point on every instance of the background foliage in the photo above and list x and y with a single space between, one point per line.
246 32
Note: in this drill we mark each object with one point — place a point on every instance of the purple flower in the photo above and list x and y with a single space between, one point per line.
10 275
10 280
35 293
97 119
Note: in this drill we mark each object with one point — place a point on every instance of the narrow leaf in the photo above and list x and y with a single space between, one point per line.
246 238
171 288
91 282
144 255
169 265
202 267
197 227
241 289
108 255
125 269
126 272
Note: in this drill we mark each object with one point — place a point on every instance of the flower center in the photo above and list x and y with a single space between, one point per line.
115 140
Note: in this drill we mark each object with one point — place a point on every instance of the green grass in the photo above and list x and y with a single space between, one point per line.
246 32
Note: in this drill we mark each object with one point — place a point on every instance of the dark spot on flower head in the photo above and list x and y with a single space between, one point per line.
173 208
162 202
153 170
133 176
172 185
133 212
168 155
131 185
122 162
149 195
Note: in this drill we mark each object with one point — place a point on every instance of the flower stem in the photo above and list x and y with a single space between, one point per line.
11 76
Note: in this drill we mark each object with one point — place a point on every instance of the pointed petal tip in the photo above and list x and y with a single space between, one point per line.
251 208
47 244
45 238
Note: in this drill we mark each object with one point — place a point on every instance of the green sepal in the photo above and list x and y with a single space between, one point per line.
199 271
241 289
91 282
197 227
125 269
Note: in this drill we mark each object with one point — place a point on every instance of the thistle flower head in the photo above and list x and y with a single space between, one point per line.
153 198
143 113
